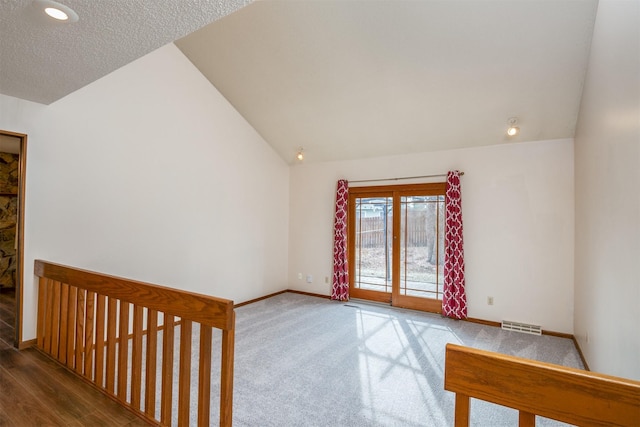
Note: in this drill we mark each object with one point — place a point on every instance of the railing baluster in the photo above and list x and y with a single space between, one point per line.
461 416
167 370
526 419
100 313
55 320
184 382
204 376
64 320
48 316
136 357
123 351
80 330
226 373
88 335
41 320
112 320
71 327
152 353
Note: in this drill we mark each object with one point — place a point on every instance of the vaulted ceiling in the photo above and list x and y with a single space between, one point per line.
341 79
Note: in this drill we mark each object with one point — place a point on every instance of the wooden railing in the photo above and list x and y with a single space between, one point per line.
534 388
96 325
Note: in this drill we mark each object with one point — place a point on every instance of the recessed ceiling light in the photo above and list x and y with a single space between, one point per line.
57 11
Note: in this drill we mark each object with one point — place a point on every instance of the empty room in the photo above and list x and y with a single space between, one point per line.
327 206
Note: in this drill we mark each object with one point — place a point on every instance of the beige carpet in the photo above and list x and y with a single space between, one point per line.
308 361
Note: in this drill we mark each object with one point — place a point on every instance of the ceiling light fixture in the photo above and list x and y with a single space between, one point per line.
57 11
512 130
300 154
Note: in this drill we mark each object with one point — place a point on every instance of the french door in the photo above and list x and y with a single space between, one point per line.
396 244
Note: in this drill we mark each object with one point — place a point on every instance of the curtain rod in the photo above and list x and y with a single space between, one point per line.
406 177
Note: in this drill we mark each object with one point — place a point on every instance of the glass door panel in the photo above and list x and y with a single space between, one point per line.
421 249
373 250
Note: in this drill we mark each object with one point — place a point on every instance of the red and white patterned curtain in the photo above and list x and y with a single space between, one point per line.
340 288
454 298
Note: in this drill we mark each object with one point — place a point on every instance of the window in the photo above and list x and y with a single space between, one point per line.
396 244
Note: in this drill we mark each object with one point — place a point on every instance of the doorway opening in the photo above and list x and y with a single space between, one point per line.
13 150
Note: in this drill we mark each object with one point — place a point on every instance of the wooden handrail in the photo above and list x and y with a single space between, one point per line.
561 393
203 309
94 324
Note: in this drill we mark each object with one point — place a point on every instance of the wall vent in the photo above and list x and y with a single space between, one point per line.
521 327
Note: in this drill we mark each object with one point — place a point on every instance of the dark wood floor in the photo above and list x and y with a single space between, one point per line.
7 315
36 391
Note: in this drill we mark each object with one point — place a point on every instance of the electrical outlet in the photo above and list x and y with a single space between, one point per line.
309 278
299 276
490 300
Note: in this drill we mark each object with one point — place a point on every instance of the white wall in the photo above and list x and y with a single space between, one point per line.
149 173
607 298
518 213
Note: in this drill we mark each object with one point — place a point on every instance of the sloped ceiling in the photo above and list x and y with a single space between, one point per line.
342 79
353 79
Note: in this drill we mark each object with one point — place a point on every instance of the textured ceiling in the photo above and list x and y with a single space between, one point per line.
353 79
342 79
42 60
